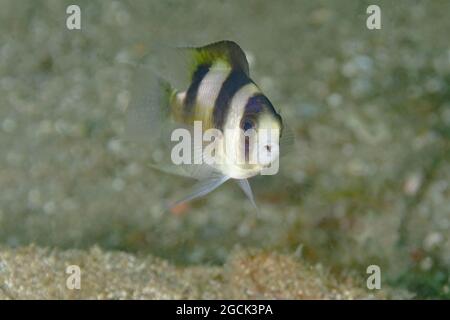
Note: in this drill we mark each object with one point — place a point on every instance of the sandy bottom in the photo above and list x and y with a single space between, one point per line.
39 273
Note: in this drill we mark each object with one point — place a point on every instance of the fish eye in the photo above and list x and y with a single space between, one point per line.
248 124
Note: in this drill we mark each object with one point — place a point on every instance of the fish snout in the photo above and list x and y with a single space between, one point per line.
268 152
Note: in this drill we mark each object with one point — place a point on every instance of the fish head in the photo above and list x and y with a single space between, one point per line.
261 126
253 144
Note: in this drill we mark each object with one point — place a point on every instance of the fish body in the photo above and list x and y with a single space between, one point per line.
222 96
212 85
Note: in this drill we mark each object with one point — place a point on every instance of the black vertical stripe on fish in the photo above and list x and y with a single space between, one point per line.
254 104
235 80
259 103
191 94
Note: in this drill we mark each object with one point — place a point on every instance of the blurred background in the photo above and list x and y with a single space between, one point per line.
366 182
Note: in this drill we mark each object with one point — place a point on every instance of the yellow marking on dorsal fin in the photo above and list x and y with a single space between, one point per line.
226 51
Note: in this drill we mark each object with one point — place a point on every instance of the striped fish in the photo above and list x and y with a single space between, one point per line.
211 85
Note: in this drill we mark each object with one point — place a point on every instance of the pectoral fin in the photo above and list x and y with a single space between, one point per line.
287 140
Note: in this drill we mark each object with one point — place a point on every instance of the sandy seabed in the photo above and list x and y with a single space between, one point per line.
39 273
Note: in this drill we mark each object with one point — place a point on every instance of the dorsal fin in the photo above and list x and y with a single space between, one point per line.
225 50
176 65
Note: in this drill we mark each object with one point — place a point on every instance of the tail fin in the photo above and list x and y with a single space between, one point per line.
149 109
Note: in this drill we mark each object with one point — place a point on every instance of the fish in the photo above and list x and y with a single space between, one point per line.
177 88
